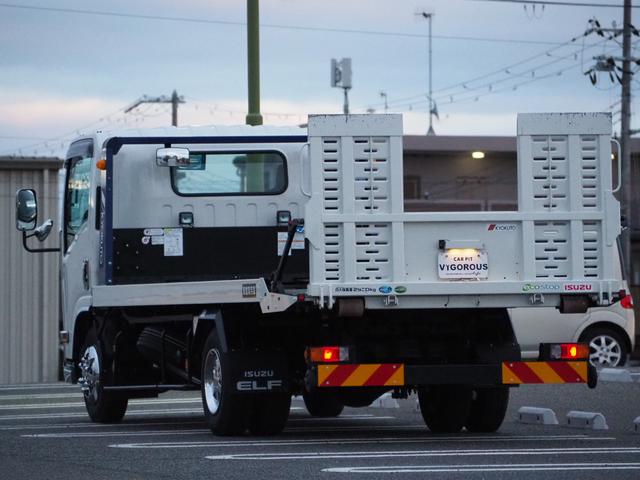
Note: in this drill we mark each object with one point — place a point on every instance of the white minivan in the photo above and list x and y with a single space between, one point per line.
609 331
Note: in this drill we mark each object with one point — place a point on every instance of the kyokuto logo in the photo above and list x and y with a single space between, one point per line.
502 227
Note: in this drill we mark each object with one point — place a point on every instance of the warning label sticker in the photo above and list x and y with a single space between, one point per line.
172 242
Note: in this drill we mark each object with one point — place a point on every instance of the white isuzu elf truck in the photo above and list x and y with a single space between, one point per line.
257 263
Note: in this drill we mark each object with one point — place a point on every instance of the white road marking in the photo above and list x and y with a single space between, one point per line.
41 396
341 417
39 416
428 453
47 426
140 433
319 441
36 406
37 386
510 467
368 428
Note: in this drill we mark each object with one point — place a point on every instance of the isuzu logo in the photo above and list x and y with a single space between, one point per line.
578 287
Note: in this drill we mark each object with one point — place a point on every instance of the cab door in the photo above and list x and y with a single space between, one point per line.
77 242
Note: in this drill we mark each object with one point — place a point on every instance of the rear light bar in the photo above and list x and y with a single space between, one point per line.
328 354
564 351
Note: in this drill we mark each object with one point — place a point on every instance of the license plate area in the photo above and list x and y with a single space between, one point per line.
463 264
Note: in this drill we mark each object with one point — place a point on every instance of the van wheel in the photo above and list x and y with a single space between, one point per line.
102 406
488 408
322 404
607 348
225 412
269 413
445 408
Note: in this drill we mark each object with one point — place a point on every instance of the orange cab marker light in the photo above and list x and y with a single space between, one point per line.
573 351
328 354
101 164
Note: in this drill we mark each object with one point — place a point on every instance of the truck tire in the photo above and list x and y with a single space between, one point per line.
445 408
322 404
102 406
225 412
269 413
488 408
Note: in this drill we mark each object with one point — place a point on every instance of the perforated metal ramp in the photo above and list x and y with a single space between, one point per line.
561 241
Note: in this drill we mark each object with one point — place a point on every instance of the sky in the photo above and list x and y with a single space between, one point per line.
65 72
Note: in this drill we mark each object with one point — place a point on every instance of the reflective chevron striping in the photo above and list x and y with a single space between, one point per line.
359 375
544 372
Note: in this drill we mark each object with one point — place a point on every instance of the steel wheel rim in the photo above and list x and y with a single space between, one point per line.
212 381
605 351
90 368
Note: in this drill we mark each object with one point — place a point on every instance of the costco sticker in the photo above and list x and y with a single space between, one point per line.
502 227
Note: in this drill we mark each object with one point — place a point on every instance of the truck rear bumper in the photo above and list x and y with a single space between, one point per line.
400 375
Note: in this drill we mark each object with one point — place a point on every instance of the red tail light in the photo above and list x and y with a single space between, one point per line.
573 351
328 354
626 301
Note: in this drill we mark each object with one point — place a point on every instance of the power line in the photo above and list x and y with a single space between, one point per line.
495 72
556 3
105 13
476 97
466 85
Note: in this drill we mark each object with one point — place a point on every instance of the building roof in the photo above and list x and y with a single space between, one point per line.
463 143
450 143
30 163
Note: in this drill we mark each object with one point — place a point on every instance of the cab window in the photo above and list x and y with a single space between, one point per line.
232 173
76 208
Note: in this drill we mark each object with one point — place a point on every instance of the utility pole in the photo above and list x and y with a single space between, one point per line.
625 138
432 110
608 63
174 100
254 117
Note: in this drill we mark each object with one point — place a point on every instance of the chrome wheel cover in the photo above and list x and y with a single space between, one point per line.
605 351
90 368
212 381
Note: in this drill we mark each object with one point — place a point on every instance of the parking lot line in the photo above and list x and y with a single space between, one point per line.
48 426
40 396
36 386
36 406
130 413
337 441
507 467
429 453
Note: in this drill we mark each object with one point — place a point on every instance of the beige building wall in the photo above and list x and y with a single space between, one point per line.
28 281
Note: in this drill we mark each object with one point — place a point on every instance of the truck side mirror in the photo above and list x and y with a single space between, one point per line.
26 209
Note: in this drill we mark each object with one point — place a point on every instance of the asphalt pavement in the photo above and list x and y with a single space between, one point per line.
45 433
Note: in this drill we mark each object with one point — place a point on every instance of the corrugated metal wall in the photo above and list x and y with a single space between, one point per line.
28 281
